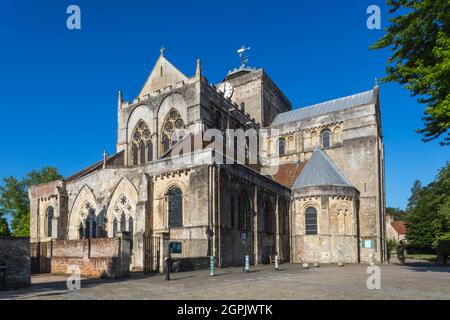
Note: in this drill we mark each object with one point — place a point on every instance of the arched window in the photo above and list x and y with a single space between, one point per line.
243 106
311 221
170 130
91 225
175 199
50 214
326 139
123 222
142 152
114 227
281 147
244 212
101 225
134 152
150 151
141 137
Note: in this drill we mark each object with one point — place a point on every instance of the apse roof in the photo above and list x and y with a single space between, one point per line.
320 171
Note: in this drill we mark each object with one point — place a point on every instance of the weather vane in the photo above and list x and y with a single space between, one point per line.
243 56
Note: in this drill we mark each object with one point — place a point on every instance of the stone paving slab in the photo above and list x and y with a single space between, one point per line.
412 281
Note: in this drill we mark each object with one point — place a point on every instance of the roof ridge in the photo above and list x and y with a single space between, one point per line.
342 103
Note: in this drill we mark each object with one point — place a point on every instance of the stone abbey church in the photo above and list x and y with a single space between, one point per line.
325 203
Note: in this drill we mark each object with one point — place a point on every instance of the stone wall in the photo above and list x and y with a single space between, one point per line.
15 262
106 257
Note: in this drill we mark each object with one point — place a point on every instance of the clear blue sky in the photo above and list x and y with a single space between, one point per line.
58 88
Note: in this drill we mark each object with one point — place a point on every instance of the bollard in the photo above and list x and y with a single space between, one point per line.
276 263
247 263
167 268
212 266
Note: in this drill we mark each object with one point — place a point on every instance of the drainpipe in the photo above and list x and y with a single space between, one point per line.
219 256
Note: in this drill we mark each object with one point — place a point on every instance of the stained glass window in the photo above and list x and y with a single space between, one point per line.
171 132
281 147
326 139
175 198
141 139
311 221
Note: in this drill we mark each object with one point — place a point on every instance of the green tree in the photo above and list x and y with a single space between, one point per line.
4 227
420 42
428 211
14 197
396 213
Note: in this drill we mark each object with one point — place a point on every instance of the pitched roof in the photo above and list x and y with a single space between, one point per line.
399 226
287 173
325 107
320 171
163 74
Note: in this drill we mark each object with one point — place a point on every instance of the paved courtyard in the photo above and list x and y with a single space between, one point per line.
412 281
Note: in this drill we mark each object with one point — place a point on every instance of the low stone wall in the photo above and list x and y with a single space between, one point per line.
103 257
15 266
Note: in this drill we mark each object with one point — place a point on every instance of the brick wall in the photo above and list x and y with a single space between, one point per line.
15 261
104 257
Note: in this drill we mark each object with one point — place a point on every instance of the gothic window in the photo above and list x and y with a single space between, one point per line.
142 151
175 199
122 212
326 139
134 152
101 224
281 147
49 214
150 151
171 130
91 225
244 212
123 222
114 227
311 221
140 139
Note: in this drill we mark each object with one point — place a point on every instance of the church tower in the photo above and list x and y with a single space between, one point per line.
254 92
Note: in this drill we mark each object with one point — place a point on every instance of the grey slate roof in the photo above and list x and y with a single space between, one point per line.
325 107
320 171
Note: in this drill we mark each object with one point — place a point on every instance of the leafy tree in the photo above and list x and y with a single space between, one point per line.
396 213
4 228
420 42
428 211
14 197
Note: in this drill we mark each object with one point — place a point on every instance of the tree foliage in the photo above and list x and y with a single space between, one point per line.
14 198
420 41
396 213
428 211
